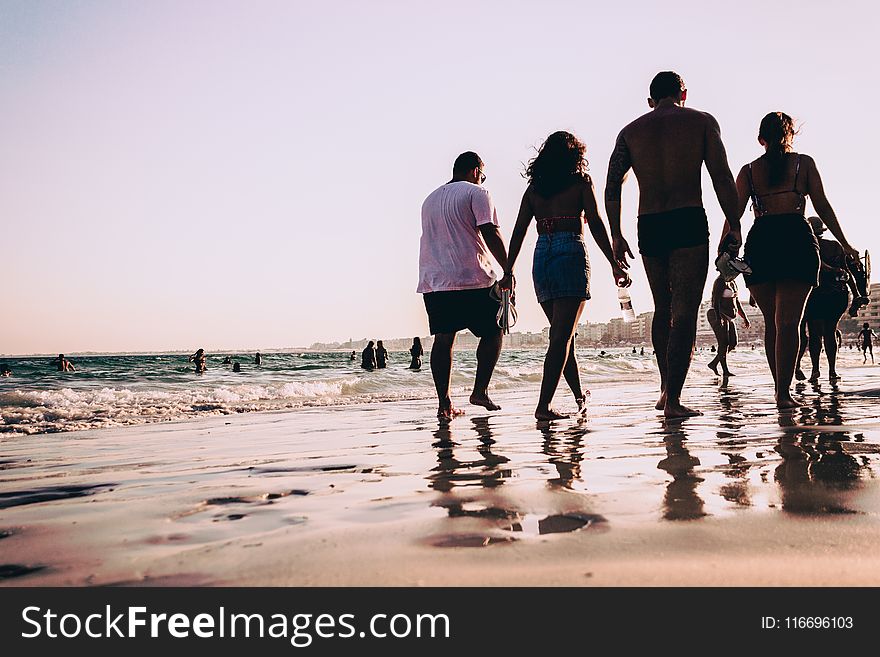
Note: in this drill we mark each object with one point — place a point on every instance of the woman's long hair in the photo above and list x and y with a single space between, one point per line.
778 131
559 163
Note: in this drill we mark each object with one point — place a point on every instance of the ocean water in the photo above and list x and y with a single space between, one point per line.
118 390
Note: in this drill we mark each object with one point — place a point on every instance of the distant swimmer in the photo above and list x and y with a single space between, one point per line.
63 364
781 247
199 359
642 352
416 352
634 351
368 356
258 359
381 355
236 367
725 307
666 149
353 356
4 370
227 361
866 338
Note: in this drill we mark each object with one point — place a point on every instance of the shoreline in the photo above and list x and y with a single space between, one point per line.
384 494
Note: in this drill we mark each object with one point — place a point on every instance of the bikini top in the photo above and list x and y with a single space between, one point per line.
558 224
758 205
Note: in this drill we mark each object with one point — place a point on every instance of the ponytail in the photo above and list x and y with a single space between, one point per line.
777 130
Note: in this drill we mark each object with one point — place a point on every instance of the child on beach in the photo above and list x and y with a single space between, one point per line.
722 318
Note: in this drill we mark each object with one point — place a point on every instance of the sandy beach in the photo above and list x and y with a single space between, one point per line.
384 494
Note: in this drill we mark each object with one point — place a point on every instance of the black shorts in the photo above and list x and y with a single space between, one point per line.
457 310
663 232
782 247
827 304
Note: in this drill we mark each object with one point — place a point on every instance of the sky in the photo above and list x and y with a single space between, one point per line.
224 175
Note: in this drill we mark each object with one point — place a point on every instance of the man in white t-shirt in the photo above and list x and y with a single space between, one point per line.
459 231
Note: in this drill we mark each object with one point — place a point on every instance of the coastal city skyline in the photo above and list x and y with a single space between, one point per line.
592 333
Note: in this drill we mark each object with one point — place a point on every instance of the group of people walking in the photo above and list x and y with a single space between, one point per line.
666 149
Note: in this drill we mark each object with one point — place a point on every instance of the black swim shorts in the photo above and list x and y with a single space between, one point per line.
663 232
456 310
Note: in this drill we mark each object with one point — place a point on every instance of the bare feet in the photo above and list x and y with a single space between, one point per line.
582 405
728 373
833 376
713 365
549 414
677 410
799 374
661 403
482 399
786 403
449 412
814 376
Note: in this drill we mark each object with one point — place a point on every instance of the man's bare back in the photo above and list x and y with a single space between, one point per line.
667 148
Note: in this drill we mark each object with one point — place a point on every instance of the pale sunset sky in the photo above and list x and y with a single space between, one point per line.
250 174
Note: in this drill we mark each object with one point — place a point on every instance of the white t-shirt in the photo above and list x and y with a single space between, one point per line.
452 253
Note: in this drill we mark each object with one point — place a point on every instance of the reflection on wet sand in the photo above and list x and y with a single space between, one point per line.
681 501
730 437
565 451
470 488
816 475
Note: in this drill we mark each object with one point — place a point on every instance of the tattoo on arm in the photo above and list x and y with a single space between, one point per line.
618 166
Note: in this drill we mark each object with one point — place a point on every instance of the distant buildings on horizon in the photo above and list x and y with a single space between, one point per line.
617 333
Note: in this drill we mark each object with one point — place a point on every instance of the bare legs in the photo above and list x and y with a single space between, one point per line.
798 372
817 331
782 304
488 352
441 370
721 328
677 282
823 331
563 314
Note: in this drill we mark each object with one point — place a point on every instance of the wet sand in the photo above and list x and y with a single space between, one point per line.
384 494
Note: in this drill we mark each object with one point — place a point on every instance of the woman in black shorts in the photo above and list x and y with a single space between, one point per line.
781 247
560 196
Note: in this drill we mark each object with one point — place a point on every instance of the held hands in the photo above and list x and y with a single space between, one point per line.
508 282
620 249
731 242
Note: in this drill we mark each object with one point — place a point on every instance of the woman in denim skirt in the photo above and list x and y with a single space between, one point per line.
560 197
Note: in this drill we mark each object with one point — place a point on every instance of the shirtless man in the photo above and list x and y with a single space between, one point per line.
666 149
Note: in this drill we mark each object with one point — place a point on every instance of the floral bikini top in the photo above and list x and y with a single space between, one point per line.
558 224
757 203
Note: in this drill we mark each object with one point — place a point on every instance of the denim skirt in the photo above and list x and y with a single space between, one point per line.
561 267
